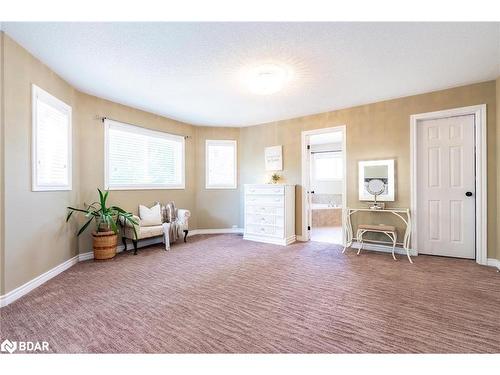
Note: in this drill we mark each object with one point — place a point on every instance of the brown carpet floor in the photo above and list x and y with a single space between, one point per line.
221 294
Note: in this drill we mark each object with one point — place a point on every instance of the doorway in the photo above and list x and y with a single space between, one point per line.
324 184
449 183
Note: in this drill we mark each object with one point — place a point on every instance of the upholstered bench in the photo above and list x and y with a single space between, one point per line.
160 220
388 230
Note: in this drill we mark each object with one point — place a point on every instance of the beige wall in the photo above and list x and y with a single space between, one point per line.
215 208
373 131
36 236
497 164
2 147
91 141
210 208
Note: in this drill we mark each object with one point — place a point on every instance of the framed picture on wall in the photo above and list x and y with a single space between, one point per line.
274 158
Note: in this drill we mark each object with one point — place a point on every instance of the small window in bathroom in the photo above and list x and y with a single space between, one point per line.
328 166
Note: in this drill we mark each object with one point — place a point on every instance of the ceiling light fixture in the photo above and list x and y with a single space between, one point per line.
267 79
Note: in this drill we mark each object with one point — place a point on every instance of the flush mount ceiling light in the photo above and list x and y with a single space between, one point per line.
267 79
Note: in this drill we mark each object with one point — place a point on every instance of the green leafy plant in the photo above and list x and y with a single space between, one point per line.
106 218
275 177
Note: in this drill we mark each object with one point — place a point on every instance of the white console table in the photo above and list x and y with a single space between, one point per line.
402 213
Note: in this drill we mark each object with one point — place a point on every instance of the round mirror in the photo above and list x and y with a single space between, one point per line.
375 186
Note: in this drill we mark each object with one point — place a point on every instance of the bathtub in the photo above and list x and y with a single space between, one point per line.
323 215
324 206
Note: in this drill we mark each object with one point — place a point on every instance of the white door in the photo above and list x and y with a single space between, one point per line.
446 187
308 187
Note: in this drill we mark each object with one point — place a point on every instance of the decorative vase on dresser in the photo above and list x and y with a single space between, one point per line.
270 213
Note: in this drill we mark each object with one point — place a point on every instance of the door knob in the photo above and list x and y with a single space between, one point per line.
468 194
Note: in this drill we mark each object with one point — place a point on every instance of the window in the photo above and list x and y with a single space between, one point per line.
220 164
138 158
328 166
51 142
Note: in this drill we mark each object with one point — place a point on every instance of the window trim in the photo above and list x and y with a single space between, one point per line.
209 142
141 130
337 155
38 93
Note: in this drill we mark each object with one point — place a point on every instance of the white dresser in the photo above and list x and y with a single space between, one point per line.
270 213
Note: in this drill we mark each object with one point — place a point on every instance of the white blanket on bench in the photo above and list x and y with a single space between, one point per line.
166 235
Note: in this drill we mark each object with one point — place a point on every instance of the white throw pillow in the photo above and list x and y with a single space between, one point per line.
150 216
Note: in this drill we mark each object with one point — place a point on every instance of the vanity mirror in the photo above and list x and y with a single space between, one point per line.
376 180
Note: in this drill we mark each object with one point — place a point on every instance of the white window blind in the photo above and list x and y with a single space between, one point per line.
328 166
51 142
138 158
220 164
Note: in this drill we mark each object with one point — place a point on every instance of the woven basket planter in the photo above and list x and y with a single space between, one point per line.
104 245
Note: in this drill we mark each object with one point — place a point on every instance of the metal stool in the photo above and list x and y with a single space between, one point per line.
388 230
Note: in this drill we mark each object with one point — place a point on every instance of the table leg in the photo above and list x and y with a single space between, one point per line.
408 255
393 246
359 237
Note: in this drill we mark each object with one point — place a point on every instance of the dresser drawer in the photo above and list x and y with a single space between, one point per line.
267 230
265 199
259 219
264 190
266 210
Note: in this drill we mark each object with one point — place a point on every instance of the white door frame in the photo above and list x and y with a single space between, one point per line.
306 171
481 196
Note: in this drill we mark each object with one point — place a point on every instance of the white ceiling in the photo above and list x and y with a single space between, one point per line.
191 71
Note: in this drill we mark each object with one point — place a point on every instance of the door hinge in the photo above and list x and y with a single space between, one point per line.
308 227
308 147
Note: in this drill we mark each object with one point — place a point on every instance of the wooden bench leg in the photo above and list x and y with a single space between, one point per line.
185 234
135 246
124 241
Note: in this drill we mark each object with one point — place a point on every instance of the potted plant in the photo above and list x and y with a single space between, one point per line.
275 178
107 220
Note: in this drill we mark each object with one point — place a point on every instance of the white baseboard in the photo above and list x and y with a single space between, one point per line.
37 281
194 232
85 256
383 248
493 263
